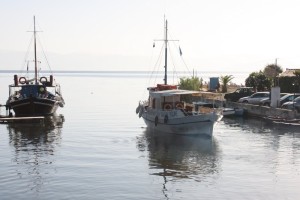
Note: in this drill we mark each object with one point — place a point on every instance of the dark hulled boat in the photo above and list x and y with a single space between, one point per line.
39 96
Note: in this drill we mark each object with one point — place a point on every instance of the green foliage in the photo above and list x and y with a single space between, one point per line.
290 84
224 81
272 70
251 80
296 82
193 83
286 84
259 81
263 80
297 73
201 83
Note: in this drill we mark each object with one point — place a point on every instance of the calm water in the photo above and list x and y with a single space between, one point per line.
97 148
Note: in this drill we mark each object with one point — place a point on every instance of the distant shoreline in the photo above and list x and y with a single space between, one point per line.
120 71
239 77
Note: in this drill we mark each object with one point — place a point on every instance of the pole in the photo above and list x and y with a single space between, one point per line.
166 52
166 40
275 72
35 59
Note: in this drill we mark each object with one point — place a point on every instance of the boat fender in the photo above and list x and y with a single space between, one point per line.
166 119
43 79
141 111
137 110
156 120
42 90
22 80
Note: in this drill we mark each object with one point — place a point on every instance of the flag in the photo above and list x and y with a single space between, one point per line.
153 44
180 52
27 66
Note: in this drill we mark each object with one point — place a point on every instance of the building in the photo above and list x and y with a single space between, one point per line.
288 73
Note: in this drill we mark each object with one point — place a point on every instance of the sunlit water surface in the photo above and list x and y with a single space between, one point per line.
97 148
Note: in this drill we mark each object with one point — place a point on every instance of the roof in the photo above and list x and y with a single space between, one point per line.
166 93
288 73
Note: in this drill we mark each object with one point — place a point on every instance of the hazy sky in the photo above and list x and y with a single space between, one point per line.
215 35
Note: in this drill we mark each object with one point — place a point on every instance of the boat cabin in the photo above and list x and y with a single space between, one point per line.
169 99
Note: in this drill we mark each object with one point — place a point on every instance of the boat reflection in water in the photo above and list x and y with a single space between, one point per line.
177 157
255 125
35 144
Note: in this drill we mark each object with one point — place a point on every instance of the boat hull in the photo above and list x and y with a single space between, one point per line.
191 125
34 107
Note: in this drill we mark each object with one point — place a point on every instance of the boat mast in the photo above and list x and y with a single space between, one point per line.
166 40
35 59
166 51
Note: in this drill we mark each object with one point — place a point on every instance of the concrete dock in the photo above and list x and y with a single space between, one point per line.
251 110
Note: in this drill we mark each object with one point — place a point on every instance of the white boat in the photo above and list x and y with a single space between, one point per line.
166 111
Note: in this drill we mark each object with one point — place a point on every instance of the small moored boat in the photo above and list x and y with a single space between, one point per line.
37 96
229 112
167 111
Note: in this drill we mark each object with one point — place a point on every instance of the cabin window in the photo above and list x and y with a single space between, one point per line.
153 103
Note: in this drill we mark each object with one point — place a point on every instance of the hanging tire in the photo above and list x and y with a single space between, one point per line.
167 106
22 80
179 105
43 79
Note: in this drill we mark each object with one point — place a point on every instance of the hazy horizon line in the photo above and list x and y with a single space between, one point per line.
110 71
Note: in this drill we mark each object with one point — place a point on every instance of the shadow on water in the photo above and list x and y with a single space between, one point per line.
34 145
179 157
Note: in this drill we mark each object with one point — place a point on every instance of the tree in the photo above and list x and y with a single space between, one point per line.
297 80
259 81
193 83
271 71
224 81
297 73
251 80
